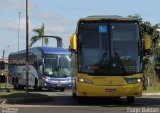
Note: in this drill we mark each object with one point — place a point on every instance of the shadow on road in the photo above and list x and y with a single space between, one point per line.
63 100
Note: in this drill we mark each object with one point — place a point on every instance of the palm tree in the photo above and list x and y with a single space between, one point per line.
39 36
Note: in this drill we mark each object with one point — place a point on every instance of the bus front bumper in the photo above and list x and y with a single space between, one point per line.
55 86
109 91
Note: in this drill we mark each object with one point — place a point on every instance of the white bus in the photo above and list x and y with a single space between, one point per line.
48 68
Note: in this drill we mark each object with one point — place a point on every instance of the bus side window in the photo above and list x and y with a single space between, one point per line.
2 65
40 65
41 68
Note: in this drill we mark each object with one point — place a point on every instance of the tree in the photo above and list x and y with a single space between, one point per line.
148 66
40 33
146 28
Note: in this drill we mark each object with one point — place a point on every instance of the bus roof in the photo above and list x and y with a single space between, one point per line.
53 50
48 50
107 17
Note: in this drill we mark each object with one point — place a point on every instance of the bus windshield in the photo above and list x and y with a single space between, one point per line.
108 48
57 65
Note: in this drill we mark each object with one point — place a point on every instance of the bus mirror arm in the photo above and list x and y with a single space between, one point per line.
73 51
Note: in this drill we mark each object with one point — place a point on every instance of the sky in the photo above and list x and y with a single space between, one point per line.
60 17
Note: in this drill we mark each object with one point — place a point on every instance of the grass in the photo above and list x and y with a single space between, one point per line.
5 85
152 89
16 93
7 92
20 94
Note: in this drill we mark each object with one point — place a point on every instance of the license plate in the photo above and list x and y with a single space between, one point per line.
58 85
110 90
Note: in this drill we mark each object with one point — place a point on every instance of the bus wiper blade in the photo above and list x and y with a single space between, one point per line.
60 71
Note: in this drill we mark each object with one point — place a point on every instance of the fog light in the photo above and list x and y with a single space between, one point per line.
85 80
138 80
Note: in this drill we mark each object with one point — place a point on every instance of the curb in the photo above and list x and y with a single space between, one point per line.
1 100
151 94
45 99
25 100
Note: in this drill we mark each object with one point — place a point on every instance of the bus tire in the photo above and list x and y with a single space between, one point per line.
130 99
36 84
15 83
62 89
74 95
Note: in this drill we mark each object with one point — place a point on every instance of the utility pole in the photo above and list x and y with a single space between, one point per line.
3 54
19 29
27 34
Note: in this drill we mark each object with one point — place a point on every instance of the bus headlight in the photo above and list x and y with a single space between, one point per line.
133 80
69 80
139 80
85 80
46 79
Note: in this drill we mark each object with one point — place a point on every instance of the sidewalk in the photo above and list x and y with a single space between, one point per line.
24 100
150 94
19 100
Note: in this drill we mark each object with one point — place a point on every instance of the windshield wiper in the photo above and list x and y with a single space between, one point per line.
103 58
59 70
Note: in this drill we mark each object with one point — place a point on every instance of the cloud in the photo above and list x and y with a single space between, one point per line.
10 5
15 5
8 24
11 25
54 23
9 14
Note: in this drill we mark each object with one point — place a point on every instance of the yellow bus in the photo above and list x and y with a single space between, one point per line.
107 57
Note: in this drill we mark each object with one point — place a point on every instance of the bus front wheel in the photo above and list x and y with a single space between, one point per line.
74 95
130 99
62 89
15 83
36 84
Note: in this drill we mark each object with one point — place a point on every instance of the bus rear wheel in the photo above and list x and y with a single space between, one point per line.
130 99
36 84
74 95
62 89
15 83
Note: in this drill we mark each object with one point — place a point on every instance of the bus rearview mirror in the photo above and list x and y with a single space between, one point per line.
147 42
73 42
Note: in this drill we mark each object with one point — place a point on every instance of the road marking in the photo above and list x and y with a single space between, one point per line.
45 106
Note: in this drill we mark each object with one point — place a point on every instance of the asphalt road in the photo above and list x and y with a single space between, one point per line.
64 103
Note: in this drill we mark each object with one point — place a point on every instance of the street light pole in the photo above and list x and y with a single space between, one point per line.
4 50
19 29
27 34
3 54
